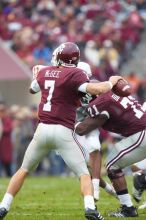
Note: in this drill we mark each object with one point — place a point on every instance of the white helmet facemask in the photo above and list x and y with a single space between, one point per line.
85 67
54 60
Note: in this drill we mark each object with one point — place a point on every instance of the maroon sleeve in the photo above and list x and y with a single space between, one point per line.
78 78
99 105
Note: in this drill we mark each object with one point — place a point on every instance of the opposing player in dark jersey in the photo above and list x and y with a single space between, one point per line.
91 143
127 117
61 87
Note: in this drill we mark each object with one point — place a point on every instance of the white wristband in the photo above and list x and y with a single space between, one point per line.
110 83
77 125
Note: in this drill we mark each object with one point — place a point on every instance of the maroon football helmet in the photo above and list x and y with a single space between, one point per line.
68 54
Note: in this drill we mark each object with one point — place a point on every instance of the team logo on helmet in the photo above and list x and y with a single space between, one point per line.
68 54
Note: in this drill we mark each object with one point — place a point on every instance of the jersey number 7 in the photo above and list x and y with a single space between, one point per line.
50 85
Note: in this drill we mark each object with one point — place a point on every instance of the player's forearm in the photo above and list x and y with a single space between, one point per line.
32 91
102 87
89 124
83 128
80 129
34 87
99 88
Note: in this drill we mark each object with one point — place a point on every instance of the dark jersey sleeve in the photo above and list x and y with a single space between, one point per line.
99 106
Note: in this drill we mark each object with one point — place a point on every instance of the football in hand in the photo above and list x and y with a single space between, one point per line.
122 88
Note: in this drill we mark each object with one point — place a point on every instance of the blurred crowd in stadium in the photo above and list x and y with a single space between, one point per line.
17 126
106 31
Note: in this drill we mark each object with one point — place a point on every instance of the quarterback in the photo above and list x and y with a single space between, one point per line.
89 142
57 110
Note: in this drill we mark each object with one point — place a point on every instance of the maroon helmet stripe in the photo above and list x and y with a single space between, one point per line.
80 146
127 150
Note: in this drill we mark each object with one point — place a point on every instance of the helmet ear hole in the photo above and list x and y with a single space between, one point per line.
68 54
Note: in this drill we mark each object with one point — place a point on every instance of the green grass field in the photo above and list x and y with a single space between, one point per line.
56 198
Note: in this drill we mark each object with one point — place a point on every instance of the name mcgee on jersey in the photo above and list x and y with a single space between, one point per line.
52 73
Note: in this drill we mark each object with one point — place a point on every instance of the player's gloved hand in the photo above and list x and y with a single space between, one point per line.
35 71
86 99
114 79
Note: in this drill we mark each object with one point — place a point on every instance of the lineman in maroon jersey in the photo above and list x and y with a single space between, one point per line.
127 117
60 88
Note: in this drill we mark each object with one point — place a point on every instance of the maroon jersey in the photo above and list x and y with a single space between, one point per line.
60 95
6 148
126 115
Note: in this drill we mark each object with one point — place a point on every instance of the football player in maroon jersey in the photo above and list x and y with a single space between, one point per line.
93 147
125 116
61 87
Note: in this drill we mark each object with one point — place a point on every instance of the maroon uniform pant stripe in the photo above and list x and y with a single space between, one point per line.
80 146
127 150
